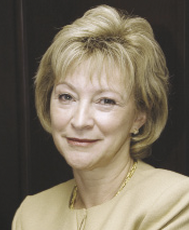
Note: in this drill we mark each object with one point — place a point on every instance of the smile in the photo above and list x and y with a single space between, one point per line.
81 142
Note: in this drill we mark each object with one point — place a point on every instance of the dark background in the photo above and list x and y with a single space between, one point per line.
29 162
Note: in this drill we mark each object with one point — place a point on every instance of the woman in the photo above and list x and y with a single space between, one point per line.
101 91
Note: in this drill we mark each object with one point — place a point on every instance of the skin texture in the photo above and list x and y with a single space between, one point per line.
91 123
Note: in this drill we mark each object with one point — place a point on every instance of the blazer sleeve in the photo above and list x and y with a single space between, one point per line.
170 211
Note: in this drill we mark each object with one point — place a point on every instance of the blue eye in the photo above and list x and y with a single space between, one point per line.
107 101
65 97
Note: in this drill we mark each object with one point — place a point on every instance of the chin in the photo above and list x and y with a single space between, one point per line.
77 164
83 166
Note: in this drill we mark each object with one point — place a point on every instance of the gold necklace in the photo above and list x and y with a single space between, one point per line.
128 177
74 194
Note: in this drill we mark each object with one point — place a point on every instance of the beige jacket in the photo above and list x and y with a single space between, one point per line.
153 199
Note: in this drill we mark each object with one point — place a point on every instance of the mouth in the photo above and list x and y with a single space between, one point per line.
81 142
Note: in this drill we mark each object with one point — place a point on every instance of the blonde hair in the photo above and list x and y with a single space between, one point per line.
109 38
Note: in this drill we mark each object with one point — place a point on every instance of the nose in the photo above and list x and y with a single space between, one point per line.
82 117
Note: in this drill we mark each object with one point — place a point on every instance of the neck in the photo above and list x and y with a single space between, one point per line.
99 185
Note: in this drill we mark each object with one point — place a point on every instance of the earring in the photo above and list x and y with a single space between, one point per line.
136 131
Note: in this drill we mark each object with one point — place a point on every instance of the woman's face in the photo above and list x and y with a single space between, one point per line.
92 120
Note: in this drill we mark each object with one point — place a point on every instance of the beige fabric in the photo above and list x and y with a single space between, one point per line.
153 199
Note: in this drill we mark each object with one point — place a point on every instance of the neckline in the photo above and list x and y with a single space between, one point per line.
122 187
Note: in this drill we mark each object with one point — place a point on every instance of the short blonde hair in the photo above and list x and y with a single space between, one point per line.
107 37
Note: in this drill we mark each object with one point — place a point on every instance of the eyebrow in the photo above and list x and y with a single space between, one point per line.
68 84
102 90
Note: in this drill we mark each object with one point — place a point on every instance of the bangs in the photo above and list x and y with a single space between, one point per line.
115 64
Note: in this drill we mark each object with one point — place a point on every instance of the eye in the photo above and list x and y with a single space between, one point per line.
107 101
65 97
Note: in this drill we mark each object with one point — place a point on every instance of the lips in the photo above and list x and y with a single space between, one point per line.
81 142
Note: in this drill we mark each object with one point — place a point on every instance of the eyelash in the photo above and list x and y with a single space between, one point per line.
107 101
103 101
65 97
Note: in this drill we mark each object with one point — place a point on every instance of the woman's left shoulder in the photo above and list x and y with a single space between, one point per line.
159 173
161 179
167 192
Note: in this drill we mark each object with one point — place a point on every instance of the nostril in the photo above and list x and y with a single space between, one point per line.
84 124
82 119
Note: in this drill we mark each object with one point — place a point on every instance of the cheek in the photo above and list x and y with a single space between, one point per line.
115 122
109 121
58 119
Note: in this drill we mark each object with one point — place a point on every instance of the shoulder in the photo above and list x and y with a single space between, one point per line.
53 195
156 181
157 175
43 205
164 196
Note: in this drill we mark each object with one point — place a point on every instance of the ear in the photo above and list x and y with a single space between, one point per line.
138 122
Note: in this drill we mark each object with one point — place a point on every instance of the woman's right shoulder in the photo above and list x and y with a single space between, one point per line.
57 192
49 199
42 205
